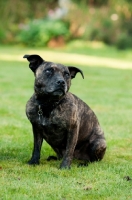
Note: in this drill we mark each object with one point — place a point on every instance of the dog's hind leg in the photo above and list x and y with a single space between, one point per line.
96 150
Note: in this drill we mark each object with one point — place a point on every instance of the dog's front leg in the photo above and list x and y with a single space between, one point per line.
71 144
38 140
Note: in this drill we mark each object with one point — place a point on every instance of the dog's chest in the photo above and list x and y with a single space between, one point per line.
54 129
55 125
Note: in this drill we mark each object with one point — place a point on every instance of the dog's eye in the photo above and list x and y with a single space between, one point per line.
66 74
49 71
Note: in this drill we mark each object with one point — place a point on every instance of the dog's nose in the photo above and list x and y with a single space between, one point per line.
60 82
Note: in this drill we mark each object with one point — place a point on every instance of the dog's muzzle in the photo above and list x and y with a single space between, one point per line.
60 88
57 90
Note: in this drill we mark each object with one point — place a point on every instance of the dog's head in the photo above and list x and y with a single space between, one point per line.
51 80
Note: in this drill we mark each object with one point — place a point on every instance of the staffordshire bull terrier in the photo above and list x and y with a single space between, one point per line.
67 124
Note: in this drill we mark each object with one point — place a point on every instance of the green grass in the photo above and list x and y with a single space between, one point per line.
108 92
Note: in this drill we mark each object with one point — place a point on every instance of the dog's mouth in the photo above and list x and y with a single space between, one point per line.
58 92
51 94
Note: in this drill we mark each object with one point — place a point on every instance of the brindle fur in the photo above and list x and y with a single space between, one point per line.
67 124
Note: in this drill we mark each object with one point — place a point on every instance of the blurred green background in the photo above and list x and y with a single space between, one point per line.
55 22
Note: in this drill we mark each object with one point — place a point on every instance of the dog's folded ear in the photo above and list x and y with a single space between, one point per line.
74 70
35 61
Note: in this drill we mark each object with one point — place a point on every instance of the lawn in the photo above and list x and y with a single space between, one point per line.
106 89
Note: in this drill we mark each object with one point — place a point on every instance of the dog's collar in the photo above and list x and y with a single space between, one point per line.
45 108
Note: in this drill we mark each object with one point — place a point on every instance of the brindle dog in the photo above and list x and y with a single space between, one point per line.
67 124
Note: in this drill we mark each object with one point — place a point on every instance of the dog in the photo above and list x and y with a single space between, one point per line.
60 118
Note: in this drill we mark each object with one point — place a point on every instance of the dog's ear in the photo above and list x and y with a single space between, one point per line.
74 71
35 61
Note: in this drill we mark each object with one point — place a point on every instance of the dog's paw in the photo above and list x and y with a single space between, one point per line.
52 158
64 165
33 162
